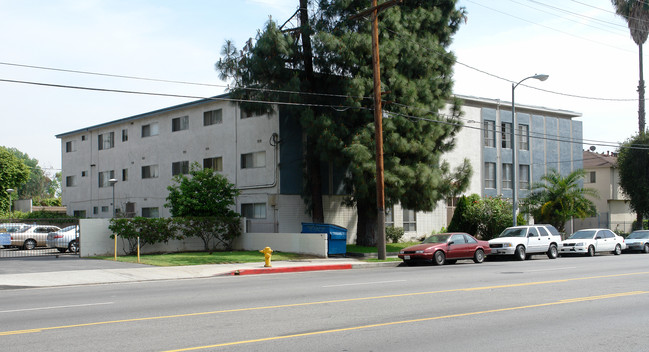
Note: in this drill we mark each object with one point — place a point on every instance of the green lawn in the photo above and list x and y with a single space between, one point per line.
198 258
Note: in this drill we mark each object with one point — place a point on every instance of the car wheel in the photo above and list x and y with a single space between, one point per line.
645 249
73 246
439 258
478 256
29 244
618 249
591 251
62 250
519 254
553 252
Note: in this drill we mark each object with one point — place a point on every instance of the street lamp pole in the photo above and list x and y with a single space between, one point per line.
515 146
112 183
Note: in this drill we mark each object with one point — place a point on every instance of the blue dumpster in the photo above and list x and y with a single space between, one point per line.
336 236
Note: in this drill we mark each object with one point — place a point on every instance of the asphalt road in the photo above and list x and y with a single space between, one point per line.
573 304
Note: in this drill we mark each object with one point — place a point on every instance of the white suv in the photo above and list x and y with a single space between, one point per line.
523 241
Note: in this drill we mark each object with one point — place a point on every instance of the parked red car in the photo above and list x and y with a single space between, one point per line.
446 248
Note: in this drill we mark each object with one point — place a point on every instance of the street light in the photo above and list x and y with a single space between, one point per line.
515 144
10 191
112 183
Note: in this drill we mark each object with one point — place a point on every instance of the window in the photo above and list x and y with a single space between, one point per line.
523 137
124 174
543 231
104 177
506 135
253 160
152 212
150 171
458 239
212 117
79 213
95 210
389 217
104 209
70 181
490 175
533 232
124 135
106 140
69 147
507 176
489 134
409 220
215 164
592 177
150 130
83 138
253 210
180 124
83 174
248 114
523 176
470 239
180 168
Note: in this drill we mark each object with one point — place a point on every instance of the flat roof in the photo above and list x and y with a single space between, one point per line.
506 104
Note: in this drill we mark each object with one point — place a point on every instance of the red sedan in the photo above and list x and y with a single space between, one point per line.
446 248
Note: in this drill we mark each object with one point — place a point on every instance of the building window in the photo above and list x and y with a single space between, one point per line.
69 147
79 213
253 210
150 130
104 177
507 176
523 176
591 177
409 220
248 114
152 212
124 135
212 117
104 209
523 137
506 135
489 134
180 123
83 174
150 171
70 181
253 160
83 138
106 140
215 164
490 175
124 174
389 216
95 210
180 168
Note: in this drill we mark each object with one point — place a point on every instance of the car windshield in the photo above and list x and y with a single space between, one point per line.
582 235
514 232
24 229
436 239
638 235
69 228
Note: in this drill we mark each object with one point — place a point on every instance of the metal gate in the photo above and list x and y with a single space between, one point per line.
39 237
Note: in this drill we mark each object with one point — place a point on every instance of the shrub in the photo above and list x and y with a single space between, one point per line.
149 231
393 234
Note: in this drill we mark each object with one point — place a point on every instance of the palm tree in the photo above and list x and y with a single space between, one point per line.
636 14
556 199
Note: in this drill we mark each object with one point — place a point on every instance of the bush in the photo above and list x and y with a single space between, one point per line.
393 234
149 231
215 232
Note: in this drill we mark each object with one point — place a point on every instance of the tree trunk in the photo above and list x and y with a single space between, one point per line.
366 225
641 111
639 225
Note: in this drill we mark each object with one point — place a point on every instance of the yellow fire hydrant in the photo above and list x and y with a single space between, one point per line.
267 253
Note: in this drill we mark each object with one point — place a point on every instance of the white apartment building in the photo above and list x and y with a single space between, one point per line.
263 157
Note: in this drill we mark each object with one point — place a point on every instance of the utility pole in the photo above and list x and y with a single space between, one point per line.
378 123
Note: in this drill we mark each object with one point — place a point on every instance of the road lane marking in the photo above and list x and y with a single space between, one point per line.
358 299
459 315
56 307
553 269
365 283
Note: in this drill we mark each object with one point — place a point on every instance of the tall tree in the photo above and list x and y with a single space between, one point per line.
13 174
416 71
558 198
636 14
633 165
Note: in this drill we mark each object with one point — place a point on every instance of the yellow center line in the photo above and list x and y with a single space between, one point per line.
275 338
28 331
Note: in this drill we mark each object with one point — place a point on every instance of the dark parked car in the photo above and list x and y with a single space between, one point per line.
446 248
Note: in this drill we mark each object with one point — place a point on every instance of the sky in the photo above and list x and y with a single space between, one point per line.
582 45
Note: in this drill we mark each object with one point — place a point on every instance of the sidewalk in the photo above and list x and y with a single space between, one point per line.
149 273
